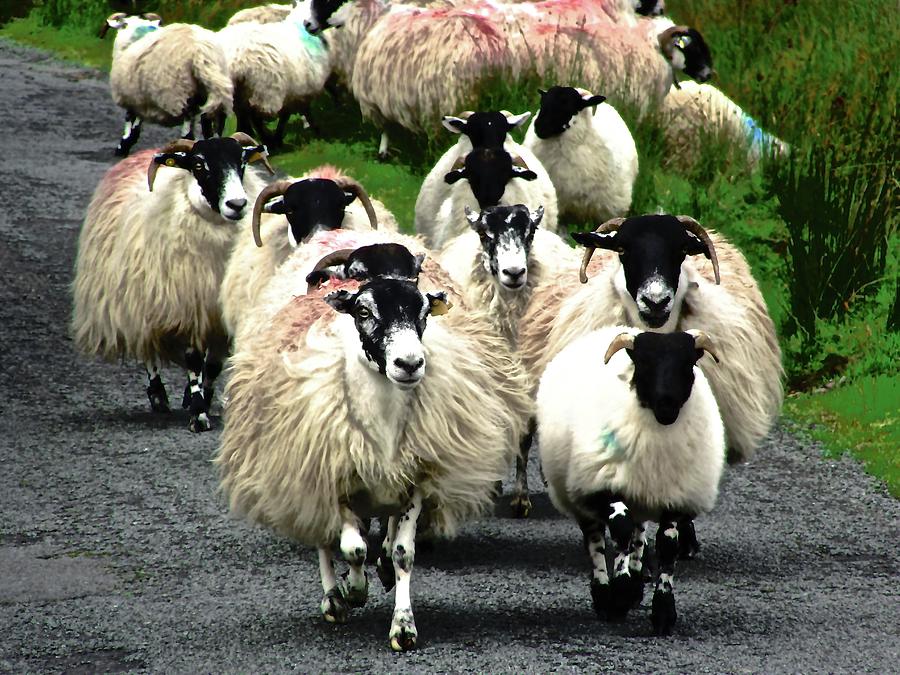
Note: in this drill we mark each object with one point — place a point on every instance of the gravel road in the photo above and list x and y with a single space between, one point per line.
116 553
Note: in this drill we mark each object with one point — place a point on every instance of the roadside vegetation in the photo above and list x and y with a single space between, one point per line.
819 228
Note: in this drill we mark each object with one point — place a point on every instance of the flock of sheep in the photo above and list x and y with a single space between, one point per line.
376 374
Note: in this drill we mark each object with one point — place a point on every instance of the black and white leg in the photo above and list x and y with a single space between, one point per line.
595 543
636 563
212 125
688 546
383 146
663 613
156 390
521 500
212 368
403 633
194 399
130 134
621 531
354 548
335 608
385 563
187 127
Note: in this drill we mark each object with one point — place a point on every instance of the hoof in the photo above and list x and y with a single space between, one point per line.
199 423
383 157
403 633
663 614
520 505
385 568
620 597
159 402
121 151
357 597
600 597
335 609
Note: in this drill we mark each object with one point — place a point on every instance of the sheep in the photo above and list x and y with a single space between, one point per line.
167 75
323 199
692 110
277 69
333 416
150 263
591 158
636 438
271 13
655 286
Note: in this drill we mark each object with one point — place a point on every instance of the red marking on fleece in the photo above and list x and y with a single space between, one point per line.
328 171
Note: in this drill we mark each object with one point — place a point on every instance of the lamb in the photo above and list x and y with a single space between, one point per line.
167 76
271 13
692 112
334 416
637 438
150 263
323 199
591 158
277 69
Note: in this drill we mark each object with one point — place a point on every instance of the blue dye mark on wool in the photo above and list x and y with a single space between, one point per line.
610 444
313 43
759 139
141 31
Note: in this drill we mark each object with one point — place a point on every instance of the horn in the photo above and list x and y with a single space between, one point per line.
245 141
105 27
703 341
665 38
584 92
459 163
274 190
339 257
694 227
609 226
466 114
349 184
178 145
621 341
518 161
151 16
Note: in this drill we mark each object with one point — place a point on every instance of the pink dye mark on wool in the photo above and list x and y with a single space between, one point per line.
328 171
295 319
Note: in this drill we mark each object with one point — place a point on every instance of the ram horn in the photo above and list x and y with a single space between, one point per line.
245 141
339 257
694 227
519 162
104 29
466 114
621 341
703 341
151 16
460 163
178 145
269 192
609 226
667 36
584 92
350 185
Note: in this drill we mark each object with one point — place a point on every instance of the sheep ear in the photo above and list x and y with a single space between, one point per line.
597 240
349 197
473 217
420 260
517 120
438 303
523 173
456 125
694 246
275 206
455 176
588 101
536 216
341 301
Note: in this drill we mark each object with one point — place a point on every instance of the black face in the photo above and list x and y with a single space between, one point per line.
558 106
217 165
697 57
320 12
311 205
506 233
484 129
664 372
651 250
488 170
650 7
383 260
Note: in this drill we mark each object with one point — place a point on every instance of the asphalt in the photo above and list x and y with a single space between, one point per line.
117 553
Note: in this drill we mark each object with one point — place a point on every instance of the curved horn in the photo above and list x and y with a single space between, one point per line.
104 29
151 16
466 114
274 190
178 145
703 341
246 140
518 161
459 163
338 257
621 341
694 227
609 226
668 35
349 184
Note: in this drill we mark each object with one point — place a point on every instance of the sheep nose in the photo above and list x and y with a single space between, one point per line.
409 365
654 306
514 273
236 204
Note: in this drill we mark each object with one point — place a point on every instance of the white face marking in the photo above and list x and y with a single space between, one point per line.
232 190
511 259
403 344
656 290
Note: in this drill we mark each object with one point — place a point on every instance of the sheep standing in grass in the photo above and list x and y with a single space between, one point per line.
150 262
358 403
277 69
167 75
591 158
631 436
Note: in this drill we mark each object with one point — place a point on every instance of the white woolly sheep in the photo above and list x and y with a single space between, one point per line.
591 158
150 263
167 75
635 438
277 69
270 13
323 199
336 416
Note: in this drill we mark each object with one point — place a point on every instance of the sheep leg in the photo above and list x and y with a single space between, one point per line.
608 510
156 390
244 122
403 633
384 565
383 146
663 612
521 501
636 563
354 549
212 367
187 128
334 607
193 399
130 134
688 546
281 128
212 125
595 543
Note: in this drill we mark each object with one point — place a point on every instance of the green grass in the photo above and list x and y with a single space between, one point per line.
820 231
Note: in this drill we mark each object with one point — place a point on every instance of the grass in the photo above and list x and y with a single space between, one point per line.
820 231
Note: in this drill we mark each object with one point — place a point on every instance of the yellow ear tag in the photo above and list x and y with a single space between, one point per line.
439 307
170 162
